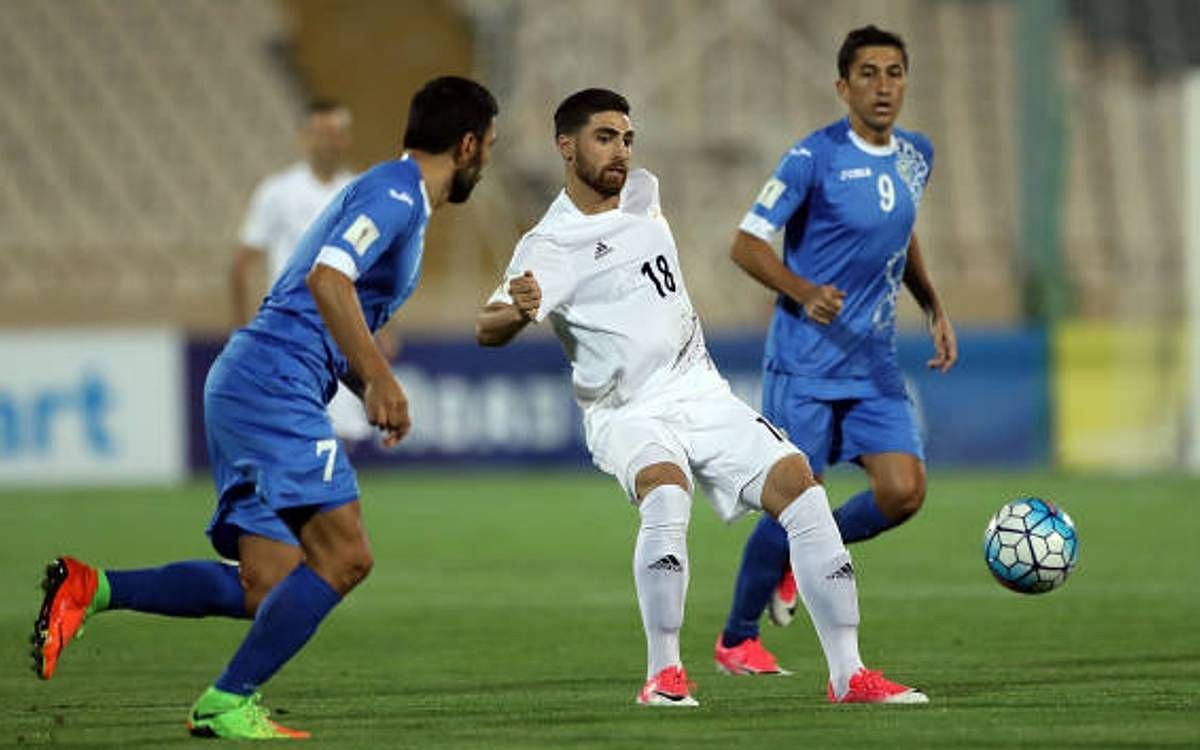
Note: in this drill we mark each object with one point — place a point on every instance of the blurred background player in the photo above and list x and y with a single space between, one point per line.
284 204
847 195
288 507
603 267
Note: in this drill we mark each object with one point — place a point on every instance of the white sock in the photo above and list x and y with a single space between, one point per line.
660 572
825 578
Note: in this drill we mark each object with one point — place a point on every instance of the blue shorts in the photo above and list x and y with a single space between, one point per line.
831 431
275 460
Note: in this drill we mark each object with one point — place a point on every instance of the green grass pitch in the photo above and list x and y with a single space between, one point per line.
501 614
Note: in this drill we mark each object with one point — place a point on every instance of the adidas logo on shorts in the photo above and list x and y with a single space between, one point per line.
602 250
670 563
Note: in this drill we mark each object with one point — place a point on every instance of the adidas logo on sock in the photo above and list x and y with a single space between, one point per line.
846 571
669 563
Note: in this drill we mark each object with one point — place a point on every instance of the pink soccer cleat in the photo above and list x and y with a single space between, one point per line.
748 657
782 607
670 687
869 686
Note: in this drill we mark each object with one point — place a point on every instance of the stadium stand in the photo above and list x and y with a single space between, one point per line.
130 150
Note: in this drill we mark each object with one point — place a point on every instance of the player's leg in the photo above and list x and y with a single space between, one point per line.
660 571
337 557
76 591
765 566
825 577
881 434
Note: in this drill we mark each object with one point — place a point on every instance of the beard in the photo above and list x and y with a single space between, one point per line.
465 180
598 178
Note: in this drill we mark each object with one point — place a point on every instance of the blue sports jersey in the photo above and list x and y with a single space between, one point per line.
373 231
848 209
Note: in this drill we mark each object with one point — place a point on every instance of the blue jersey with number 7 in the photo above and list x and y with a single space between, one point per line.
847 208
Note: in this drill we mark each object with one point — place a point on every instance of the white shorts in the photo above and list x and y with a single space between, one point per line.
348 416
718 441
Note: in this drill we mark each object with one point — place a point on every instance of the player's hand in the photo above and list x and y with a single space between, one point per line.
526 295
945 344
823 303
387 408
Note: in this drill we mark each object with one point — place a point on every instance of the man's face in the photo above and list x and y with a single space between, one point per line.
600 152
874 87
327 139
467 176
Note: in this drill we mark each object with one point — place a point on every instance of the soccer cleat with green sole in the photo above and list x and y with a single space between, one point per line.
236 717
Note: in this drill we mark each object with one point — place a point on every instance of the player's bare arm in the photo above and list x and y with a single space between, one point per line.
383 398
248 265
498 322
916 279
821 302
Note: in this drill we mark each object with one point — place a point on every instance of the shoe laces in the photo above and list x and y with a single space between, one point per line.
674 680
754 647
872 680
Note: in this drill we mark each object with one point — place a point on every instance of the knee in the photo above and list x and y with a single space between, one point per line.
901 497
345 568
258 580
356 566
657 475
789 478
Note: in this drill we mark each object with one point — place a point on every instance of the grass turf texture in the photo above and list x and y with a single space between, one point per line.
501 613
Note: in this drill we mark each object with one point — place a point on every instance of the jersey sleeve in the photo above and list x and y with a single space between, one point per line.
258 226
784 193
551 269
372 217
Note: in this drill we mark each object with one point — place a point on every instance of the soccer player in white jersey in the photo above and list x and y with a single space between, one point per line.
286 202
283 206
602 266
846 197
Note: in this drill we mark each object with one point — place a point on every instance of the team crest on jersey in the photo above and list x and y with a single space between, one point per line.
602 249
912 168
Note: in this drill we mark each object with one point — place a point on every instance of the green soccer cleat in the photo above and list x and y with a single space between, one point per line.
236 717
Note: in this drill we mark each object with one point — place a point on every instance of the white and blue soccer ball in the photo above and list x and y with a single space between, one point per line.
1030 545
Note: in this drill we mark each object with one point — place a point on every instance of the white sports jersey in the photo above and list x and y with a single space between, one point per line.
612 288
283 206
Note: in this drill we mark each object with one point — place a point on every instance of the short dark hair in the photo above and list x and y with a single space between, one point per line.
323 106
446 109
578 108
867 36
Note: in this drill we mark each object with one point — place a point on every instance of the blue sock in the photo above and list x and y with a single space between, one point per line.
286 619
763 562
859 518
196 588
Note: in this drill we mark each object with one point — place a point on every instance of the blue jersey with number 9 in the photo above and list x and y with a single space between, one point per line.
847 209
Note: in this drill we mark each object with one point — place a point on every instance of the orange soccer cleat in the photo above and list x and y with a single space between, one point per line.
70 587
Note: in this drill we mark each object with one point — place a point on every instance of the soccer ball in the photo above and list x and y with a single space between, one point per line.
1030 546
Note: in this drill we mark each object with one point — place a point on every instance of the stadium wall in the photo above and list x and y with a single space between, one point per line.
513 406
91 405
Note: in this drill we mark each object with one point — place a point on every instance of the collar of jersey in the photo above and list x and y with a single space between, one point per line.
572 209
871 148
421 180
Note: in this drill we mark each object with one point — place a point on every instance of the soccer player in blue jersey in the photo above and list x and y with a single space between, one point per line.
846 197
288 508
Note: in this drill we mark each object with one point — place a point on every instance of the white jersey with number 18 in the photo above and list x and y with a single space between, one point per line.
612 288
